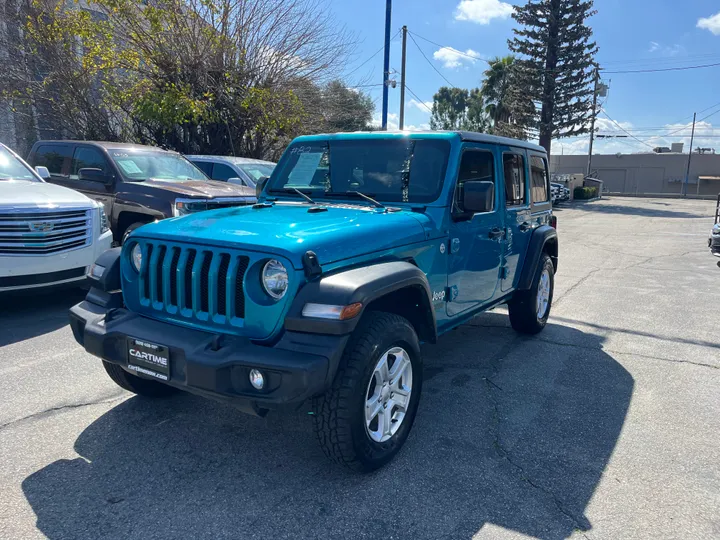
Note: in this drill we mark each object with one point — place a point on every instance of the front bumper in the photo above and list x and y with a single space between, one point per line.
714 244
299 366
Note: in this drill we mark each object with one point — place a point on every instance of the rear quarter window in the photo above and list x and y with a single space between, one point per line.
539 179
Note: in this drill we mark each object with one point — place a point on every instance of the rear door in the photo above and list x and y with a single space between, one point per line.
92 158
475 241
518 221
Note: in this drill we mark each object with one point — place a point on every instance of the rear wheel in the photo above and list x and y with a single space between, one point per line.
363 420
529 310
135 384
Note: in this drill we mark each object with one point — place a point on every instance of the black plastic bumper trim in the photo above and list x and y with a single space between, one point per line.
41 279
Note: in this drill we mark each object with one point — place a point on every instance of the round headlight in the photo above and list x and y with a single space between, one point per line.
275 279
136 257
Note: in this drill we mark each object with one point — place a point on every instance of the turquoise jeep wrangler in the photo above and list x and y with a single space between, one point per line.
362 246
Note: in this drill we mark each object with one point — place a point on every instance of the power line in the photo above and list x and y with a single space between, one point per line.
446 47
417 98
429 62
371 57
661 69
623 129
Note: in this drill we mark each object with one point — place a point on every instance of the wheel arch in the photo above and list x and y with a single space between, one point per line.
127 218
544 239
397 287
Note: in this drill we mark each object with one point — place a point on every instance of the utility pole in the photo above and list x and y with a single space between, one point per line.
386 64
402 79
687 174
592 120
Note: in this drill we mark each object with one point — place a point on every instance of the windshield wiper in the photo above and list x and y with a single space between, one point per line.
303 195
368 198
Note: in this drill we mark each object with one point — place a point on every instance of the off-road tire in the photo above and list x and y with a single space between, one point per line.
130 228
522 307
137 385
339 414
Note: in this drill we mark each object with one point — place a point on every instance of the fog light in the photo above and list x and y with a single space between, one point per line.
257 379
96 271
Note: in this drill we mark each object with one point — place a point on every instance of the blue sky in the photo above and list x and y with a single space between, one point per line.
632 35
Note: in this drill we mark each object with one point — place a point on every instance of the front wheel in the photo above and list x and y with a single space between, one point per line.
529 310
365 417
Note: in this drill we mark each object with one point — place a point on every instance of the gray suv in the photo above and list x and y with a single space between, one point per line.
235 170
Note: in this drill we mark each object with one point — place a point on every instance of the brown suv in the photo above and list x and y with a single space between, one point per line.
137 184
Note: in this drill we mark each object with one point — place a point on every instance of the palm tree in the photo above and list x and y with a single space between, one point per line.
496 90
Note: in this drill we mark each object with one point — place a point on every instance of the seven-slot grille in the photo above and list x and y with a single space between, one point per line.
193 282
44 231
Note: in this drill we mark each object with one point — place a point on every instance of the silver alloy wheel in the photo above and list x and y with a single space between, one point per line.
543 294
388 394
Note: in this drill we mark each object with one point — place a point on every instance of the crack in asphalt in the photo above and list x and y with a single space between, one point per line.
61 408
556 301
504 453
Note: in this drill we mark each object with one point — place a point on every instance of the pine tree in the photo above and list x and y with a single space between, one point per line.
556 66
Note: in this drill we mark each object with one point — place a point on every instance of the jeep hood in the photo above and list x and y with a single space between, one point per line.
289 229
200 188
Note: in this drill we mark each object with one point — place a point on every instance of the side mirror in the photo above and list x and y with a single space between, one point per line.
236 180
260 185
95 175
43 172
478 196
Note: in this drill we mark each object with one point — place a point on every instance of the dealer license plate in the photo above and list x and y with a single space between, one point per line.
149 359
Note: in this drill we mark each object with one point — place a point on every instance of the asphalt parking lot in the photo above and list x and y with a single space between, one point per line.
606 425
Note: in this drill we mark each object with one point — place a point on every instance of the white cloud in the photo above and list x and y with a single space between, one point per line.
453 58
422 106
392 121
482 11
654 46
711 23
666 50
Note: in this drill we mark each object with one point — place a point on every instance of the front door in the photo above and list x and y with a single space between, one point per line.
476 241
517 212
90 157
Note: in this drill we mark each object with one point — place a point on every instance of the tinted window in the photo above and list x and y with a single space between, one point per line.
204 166
223 172
88 158
52 157
475 165
514 173
539 178
257 170
393 170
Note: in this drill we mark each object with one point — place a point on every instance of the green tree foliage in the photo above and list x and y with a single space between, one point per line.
199 76
556 66
458 108
501 92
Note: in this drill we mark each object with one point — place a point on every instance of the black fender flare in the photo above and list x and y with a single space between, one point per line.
364 285
543 239
105 289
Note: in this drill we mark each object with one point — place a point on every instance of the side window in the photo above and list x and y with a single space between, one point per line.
89 158
222 172
474 165
539 178
52 157
204 166
514 172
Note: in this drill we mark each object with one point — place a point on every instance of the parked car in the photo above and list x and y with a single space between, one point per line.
325 289
561 193
137 184
234 170
49 235
714 238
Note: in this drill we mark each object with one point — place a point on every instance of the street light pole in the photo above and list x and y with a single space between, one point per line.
592 120
687 174
402 79
386 64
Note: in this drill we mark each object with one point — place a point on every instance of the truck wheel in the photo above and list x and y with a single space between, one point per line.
135 384
130 229
363 420
529 310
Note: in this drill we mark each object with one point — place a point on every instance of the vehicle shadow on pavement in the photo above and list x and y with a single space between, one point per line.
29 314
512 431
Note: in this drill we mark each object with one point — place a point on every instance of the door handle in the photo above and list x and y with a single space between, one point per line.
525 225
496 232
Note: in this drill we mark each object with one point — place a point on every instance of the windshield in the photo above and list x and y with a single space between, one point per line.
141 165
393 170
11 168
257 170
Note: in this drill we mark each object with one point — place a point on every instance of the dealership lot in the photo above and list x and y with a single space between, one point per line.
604 426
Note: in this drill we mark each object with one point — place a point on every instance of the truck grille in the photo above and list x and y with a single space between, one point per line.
193 282
44 232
